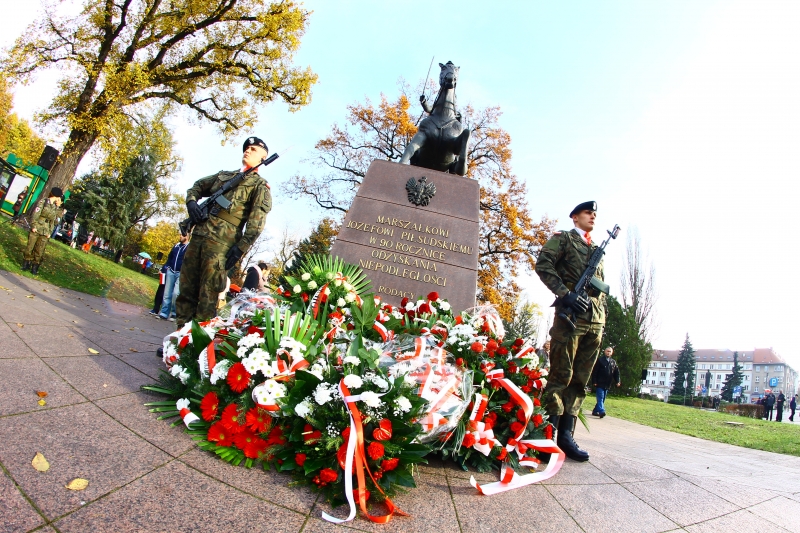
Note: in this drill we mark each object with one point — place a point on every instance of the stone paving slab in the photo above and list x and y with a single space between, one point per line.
147 476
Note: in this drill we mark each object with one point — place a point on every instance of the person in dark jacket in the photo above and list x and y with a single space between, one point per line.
769 404
604 375
792 408
780 401
256 278
172 270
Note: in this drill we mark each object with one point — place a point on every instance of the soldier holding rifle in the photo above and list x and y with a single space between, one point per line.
570 265
223 230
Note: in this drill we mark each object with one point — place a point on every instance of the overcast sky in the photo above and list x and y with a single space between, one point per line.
679 118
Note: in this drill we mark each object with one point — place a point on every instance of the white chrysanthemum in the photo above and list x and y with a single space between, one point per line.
371 399
304 408
353 381
349 297
170 352
380 382
220 371
351 360
297 289
340 302
312 284
295 347
179 372
322 394
306 276
444 306
410 380
410 306
347 286
531 360
317 370
403 404
397 314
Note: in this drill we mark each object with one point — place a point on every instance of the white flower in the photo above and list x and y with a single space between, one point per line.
327 291
403 404
347 286
544 382
351 360
338 283
267 392
353 381
340 302
183 403
297 289
410 380
329 275
312 284
316 370
306 276
220 371
180 373
444 306
410 306
371 399
304 408
349 297
322 394
380 382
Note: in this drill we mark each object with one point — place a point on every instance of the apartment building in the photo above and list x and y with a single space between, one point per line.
761 368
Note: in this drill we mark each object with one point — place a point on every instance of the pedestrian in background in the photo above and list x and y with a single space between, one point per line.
780 401
544 355
256 279
172 270
604 375
792 407
769 404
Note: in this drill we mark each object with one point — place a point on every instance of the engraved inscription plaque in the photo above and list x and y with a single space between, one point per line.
411 250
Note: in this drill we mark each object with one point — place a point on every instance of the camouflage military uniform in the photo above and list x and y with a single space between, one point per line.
572 353
203 274
44 221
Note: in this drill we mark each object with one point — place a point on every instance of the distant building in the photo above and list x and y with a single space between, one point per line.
762 368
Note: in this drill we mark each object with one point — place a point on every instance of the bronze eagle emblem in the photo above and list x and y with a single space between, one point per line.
420 193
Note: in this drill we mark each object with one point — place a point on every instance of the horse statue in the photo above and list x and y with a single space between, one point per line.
441 140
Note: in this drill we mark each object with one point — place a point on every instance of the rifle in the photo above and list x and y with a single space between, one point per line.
217 202
587 280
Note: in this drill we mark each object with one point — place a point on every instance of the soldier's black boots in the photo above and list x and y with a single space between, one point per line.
566 427
35 269
26 265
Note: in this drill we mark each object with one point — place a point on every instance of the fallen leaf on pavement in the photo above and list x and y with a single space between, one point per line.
77 484
40 463
29 296
45 290
41 394
20 325
105 385
133 350
92 350
42 403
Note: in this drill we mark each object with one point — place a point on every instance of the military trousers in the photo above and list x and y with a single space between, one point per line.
202 278
34 252
572 357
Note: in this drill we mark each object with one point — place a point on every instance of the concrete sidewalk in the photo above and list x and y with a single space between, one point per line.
91 355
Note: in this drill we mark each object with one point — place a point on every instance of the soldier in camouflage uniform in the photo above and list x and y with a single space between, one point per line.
218 243
573 352
44 221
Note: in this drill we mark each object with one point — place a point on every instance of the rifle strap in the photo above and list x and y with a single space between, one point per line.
228 217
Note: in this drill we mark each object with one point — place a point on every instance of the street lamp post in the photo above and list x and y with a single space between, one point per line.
685 383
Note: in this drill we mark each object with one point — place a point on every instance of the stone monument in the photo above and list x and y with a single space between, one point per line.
413 229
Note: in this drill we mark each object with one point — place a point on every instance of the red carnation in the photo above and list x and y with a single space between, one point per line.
238 377
222 332
459 320
366 494
521 415
516 427
254 329
217 433
526 388
433 296
257 420
375 450
507 407
502 455
424 308
403 302
512 367
300 459
548 431
209 406
502 350
492 416
469 440
518 343
491 346
389 464
537 420
230 419
384 432
476 347
411 314
536 402
460 362
327 475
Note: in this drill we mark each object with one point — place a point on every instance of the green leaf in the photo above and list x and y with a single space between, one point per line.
200 339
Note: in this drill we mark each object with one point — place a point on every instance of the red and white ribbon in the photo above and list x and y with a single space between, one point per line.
510 480
186 415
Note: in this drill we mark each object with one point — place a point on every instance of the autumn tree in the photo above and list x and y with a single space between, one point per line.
160 239
524 323
217 59
318 242
16 135
637 282
510 238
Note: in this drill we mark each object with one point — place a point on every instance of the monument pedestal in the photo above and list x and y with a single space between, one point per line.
410 250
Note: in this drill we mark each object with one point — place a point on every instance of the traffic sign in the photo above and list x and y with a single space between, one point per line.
737 390
773 382
703 390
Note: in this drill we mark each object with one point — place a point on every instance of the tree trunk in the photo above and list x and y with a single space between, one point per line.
62 174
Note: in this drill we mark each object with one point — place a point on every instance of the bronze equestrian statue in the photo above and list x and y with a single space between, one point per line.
441 140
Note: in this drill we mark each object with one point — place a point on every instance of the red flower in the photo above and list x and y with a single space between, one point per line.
389 464
485 327
375 450
536 402
247 442
469 440
512 367
238 377
488 424
521 415
305 297
336 315
424 308
209 406
459 320
403 302
217 433
548 431
411 314
254 329
276 436
460 362
518 343
350 327
502 350
184 341
300 459
327 475
502 455
257 420
433 296
384 432
492 416
310 435
537 420
516 427
526 388
476 347
222 332
507 407
491 346
230 419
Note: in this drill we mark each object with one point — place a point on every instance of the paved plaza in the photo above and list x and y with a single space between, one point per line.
91 355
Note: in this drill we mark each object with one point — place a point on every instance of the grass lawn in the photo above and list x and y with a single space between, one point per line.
73 269
709 425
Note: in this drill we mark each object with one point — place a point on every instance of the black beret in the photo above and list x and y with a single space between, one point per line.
56 191
251 141
585 206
